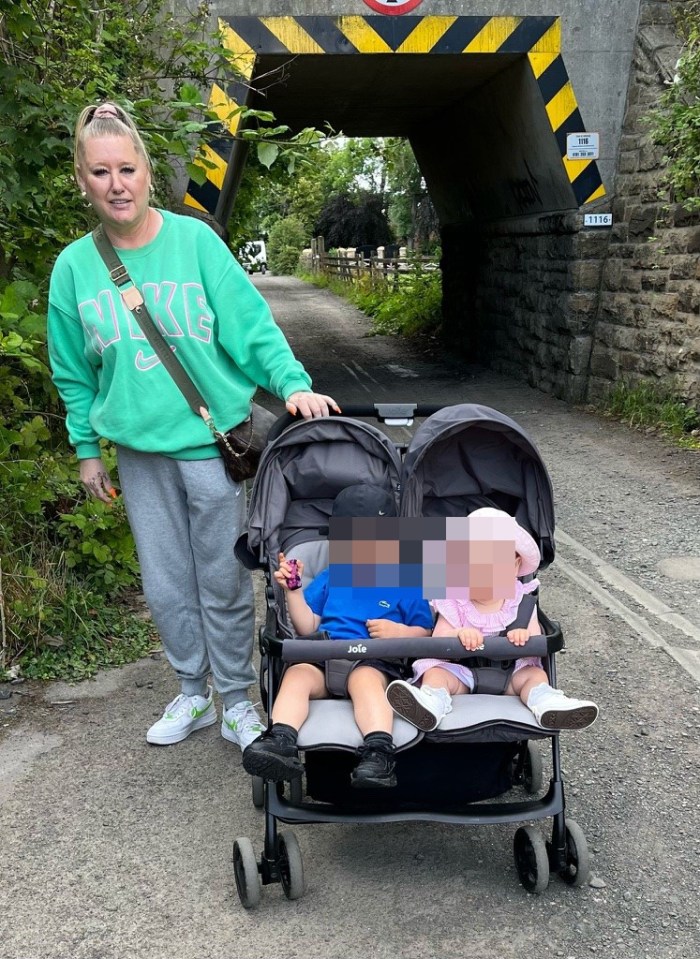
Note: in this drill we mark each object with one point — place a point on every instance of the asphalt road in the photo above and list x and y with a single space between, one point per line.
112 849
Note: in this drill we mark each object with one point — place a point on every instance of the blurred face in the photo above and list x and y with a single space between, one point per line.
492 569
116 180
481 570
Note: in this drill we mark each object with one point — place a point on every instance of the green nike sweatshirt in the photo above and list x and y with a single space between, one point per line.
109 378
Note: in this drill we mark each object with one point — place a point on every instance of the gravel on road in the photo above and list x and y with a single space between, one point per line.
113 849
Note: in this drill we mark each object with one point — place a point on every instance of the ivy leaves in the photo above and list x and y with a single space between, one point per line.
676 123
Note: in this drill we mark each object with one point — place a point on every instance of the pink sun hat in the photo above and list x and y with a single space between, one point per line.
494 524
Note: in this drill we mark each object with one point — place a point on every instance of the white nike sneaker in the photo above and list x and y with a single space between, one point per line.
241 724
553 710
182 716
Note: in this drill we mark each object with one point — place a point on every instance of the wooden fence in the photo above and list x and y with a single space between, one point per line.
351 266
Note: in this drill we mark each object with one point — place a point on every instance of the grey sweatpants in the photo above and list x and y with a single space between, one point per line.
186 516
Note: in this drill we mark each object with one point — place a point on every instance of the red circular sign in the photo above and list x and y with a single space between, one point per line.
393 7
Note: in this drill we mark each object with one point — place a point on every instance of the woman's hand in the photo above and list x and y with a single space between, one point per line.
285 571
470 638
311 405
518 637
96 481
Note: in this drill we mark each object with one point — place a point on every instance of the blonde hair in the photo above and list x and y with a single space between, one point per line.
90 127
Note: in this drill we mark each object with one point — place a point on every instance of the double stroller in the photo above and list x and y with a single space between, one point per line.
460 458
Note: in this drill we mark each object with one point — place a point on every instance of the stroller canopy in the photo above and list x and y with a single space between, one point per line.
303 470
468 456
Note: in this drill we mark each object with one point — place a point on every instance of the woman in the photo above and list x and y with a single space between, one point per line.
184 511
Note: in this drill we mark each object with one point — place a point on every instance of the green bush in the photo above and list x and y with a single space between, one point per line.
286 241
405 304
676 122
89 634
65 559
413 305
57 549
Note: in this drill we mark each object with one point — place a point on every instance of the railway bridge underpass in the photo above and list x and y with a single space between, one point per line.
489 110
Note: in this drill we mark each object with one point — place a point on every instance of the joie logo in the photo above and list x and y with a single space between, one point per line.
358 648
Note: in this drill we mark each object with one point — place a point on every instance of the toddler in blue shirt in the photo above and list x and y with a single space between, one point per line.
359 613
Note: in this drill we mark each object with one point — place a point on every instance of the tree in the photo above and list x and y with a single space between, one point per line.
358 220
327 191
56 58
266 196
336 222
286 241
410 210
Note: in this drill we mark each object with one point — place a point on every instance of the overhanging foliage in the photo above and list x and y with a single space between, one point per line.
676 123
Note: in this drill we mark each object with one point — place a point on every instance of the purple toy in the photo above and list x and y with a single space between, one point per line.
294 581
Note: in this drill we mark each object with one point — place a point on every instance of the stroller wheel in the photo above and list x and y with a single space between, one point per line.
531 859
532 772
577 871
247 875
290 866
258 790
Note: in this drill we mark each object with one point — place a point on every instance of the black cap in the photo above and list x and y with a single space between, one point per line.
364 500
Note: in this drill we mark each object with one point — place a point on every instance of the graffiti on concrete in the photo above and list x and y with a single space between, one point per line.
526 191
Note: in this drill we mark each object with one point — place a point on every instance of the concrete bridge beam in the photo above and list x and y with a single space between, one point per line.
486 92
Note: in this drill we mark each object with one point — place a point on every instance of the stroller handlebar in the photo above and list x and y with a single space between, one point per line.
319 647
393 414
390 411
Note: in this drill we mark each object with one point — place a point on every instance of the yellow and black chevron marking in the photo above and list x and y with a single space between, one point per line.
537 37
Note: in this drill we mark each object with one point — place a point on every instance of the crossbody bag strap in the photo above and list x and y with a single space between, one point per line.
131 295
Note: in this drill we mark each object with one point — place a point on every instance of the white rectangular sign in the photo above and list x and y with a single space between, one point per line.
583 146
597 219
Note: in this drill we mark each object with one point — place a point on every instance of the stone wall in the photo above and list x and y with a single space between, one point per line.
648 324
528 306
577 311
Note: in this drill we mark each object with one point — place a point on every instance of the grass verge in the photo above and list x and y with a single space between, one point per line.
107 636
646 406
54 626
408 304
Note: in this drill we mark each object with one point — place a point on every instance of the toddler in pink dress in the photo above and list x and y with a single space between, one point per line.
487 564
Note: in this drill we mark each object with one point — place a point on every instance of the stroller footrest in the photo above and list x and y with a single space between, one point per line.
331 724
482 709
480 718
487 718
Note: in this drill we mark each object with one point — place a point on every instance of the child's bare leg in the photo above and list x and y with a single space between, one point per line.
551 708
366 686
425 706
440 678
524 680
300 683
375 719
274 755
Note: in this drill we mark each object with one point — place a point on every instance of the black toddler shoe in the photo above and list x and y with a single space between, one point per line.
375 769
273 757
